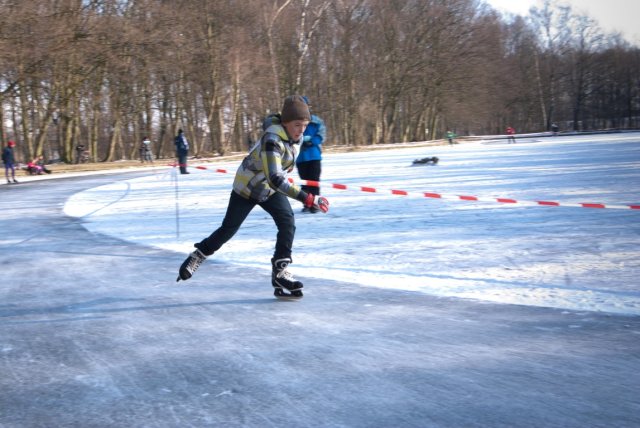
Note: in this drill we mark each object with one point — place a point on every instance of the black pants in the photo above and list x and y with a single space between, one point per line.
277 206
310 170
182 162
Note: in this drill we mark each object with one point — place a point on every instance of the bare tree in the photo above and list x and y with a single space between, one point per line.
551 22
276 11
582 64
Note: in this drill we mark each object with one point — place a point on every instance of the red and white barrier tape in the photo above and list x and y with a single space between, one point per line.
448 197
470 198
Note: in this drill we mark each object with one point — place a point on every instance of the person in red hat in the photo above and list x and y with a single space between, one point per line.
9 162
511 135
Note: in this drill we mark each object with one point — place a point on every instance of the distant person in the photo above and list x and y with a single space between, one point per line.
39 161
510 135
182 151
32 168
9 160
309 161
261 179
80 153
37 166
554 129
450 136
145 151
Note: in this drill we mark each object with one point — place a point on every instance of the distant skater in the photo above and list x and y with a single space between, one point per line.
145 151
450 136
9 160
510 135
182 151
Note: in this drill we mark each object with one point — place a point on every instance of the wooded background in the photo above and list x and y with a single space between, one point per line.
106 73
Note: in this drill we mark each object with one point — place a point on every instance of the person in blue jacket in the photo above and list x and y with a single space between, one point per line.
182 151
309 161
9 162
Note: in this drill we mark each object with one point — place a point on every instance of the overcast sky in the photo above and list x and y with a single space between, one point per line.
611 15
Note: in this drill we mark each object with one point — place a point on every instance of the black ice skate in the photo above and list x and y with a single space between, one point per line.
282 280
190 265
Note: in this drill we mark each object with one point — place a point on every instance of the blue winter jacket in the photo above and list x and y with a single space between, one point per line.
314 135
7 156
182 145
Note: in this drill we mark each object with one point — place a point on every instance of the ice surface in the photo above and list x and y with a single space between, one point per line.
95 332
562 257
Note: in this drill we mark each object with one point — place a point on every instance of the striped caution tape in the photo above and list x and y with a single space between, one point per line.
368 189
469 198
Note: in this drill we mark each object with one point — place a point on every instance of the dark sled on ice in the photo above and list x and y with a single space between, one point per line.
426 161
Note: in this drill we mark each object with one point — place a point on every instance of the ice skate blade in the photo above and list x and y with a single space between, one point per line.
281 295
289 298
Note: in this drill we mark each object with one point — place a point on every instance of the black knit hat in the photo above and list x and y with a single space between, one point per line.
295 108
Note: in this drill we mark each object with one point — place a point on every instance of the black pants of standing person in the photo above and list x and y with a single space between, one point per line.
182 162
277 206
310 170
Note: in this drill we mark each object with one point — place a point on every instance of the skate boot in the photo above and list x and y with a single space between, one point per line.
190 265
282 280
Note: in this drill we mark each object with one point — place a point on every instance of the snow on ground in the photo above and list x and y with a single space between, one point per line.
563 257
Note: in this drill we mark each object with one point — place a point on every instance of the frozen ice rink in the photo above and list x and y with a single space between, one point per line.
552 256
437 312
